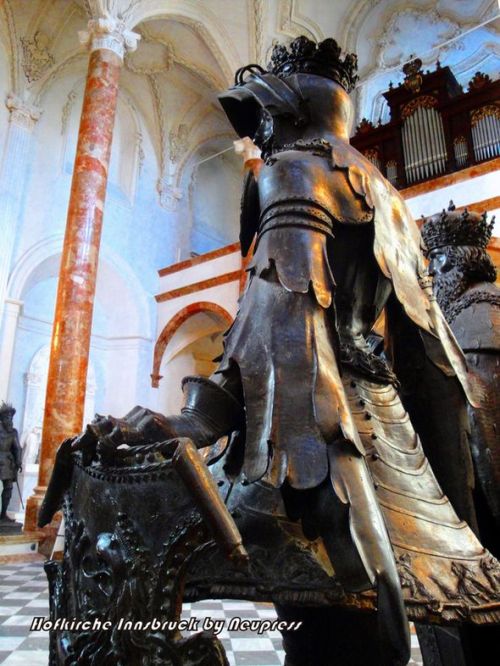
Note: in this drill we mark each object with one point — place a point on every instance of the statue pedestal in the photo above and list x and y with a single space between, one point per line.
17 546
27 480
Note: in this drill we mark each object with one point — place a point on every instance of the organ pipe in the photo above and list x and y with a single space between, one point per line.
424 146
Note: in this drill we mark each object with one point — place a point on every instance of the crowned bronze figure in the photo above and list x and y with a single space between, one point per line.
463 275
10 460
464 284
320 444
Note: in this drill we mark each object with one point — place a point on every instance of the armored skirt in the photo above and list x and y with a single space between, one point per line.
284 343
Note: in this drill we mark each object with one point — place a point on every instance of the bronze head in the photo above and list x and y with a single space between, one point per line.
7 412
303 94
455 244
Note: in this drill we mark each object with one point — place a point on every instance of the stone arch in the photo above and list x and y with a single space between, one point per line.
11 45
200 18
184 168
43 259
173 325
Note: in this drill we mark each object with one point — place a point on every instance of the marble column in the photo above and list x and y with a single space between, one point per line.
12 310
13 176
107 40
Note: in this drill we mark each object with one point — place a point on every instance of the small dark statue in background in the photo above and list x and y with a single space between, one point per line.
10 461
464 284
343 522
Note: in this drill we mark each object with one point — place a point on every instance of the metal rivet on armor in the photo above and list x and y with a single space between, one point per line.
374 436
150 457
368 416
353 384
362 403
375 456
220 483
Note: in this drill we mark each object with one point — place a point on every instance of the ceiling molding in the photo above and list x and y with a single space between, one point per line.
13 46
197 16
291 23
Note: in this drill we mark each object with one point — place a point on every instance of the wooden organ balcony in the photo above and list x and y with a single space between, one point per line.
435 127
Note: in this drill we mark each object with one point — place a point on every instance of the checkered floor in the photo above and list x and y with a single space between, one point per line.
23 595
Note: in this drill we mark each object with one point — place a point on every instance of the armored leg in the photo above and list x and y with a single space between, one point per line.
330 636
6 495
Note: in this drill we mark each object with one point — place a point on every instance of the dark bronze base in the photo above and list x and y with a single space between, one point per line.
8 526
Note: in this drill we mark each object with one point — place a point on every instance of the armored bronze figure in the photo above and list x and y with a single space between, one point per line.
320 444
464 284
10 458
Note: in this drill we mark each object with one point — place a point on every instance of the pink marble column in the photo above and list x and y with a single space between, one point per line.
77 278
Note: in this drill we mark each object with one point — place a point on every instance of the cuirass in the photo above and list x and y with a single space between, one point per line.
296 179
7 439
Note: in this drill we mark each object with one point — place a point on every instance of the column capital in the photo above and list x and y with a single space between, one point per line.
108 32
21 113
169 194
13 305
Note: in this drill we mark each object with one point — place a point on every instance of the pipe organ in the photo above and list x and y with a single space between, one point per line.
435 127
391 172
485 124
461 151
372 155
424 146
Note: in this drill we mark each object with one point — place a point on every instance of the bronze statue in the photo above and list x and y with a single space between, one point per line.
464 284
319 438
10 459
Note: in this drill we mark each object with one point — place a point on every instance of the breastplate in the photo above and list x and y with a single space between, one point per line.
6 441
305 185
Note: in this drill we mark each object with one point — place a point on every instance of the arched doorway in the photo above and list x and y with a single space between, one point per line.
187 345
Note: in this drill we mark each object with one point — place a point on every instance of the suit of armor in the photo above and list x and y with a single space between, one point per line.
10 457
314 416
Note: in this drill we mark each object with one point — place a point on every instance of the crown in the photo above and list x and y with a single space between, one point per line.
7 408
323 59
454 228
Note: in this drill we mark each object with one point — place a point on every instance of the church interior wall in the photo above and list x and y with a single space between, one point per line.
215 222
464 193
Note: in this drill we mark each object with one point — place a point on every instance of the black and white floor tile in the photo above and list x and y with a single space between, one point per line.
24 595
